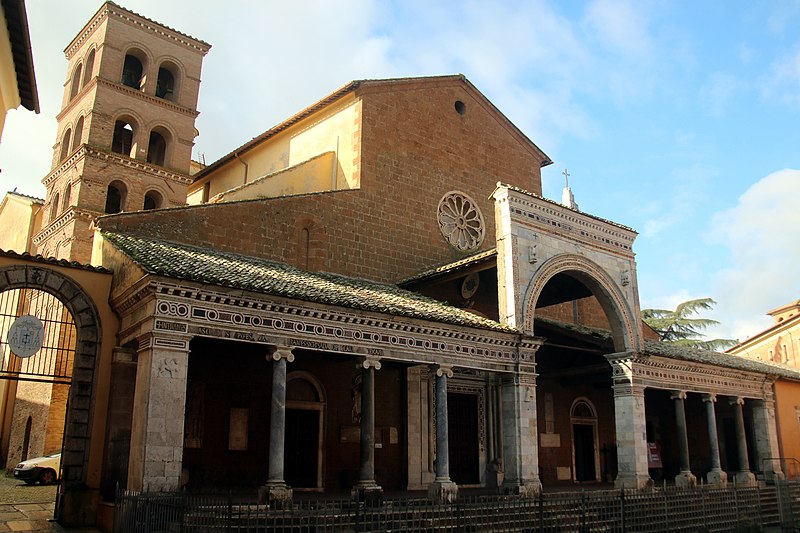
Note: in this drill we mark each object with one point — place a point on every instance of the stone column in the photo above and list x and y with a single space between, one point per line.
716 476
156 450
743 475
367 490
520 434
276 491
629 418
685 478
442 490
766 437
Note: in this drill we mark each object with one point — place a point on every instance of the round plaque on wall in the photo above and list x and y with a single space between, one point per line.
26 336
460 221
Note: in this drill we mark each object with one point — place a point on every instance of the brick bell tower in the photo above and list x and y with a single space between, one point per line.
125 130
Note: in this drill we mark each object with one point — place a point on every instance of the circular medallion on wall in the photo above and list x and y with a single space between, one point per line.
26 336
460 221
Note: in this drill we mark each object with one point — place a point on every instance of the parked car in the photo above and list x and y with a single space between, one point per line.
42 469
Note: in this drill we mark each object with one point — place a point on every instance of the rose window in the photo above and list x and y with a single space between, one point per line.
460 221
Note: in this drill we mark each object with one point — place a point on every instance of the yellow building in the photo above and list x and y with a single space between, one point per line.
17 80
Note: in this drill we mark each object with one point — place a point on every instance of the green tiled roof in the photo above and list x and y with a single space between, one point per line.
450 267
696 355
214 267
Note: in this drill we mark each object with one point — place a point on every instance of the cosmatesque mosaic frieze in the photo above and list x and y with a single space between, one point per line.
215 315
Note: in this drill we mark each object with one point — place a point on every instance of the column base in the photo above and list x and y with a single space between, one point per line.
368 492
275 495
525 490
443 491
685 479
717 477
745 478
633 481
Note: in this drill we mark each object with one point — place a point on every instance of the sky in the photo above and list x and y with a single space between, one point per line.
680 119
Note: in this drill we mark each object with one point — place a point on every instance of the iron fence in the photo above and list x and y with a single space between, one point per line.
706 509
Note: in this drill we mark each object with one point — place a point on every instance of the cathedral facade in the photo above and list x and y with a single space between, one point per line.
371 296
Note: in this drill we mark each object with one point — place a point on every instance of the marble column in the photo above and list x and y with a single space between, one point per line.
684 478
766 438
716 476
367 490
159 404
276 491
442 489
744 475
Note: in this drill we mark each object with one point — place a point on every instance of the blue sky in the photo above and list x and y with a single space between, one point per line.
679 119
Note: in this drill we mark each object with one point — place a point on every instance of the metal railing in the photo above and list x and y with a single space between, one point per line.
659 509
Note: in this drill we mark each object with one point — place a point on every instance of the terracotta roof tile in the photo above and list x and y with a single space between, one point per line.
204 265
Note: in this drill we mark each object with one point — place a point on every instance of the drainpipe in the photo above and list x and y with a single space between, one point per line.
242 161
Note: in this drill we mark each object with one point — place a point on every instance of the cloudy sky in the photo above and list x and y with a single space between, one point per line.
677 118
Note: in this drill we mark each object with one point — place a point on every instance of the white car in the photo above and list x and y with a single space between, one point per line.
42 469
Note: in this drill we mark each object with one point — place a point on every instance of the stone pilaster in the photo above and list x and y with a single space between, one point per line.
276 492
685 478
367 490
156 451
520 435
744 475
442 489
766 438
631 433
716 476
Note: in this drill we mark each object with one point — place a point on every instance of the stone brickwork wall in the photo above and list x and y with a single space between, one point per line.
416 147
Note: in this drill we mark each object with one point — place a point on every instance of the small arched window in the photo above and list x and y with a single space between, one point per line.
67 194
132 72
152 200
156 148
165 85
77 139
54 208
88 71
76 81
115 197
65 144
123 138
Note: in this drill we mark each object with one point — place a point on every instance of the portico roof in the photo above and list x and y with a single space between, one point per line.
662 349
205 265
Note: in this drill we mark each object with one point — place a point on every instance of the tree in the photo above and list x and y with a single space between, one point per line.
680 328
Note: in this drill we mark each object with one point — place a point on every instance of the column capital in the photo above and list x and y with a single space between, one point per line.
677 395
710 397
443 370
282 352
369 362
736 400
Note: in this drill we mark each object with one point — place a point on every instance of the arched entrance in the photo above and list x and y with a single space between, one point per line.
80 376
585 452
305 417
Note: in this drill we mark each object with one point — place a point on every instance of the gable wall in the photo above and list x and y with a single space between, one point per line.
415 148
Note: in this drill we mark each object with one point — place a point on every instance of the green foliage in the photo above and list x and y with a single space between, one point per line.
681 328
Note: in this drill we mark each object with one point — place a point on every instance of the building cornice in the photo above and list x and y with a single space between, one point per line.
119 159
70 214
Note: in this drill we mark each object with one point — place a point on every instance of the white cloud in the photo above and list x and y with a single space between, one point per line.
688 191
760 233
622 26
782 83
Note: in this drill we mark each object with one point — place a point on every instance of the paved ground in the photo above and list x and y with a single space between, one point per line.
26 508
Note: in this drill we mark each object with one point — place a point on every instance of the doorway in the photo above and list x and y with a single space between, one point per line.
462 429
585 457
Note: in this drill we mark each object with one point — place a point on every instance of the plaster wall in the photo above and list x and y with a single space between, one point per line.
787 415
19 221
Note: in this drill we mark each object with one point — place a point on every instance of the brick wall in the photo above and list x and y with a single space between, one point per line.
415 148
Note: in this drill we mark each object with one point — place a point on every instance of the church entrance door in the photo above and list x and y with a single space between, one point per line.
301 448
463 438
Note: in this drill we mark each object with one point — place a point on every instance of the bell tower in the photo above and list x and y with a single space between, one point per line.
126 127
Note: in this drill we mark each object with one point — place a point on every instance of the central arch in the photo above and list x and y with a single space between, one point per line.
614 304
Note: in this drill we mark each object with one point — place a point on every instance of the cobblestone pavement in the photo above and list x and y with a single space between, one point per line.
25 508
